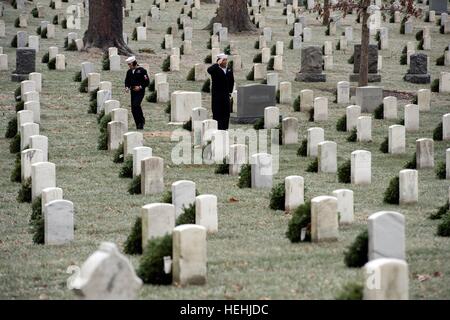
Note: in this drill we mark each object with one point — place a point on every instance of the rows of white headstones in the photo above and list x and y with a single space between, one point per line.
187 263
384 257
388 260
301 34
57 213
33 41
158 219
183 108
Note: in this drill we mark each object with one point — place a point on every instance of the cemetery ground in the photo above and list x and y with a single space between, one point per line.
250 257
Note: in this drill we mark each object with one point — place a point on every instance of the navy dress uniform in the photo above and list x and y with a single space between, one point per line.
222 83
136 81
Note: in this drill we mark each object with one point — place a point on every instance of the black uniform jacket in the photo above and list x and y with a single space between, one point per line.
221 88
139 78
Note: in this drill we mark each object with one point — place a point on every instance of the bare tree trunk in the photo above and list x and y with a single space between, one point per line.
105 27
365 35
233 14
326 12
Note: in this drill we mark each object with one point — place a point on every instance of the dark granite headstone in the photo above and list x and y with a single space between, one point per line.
439 6
251 102
372 62
312 65
25 64
418 69
418 63
373 58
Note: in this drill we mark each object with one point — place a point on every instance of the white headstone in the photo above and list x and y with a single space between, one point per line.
141 33
116 130
182 103
50 194
327 157
107 275
132 140
238 157
43 175
289 130
158 219
285 92
27 158
93 81
424 153
397 139
27 86
86 68
40 142
271 117
386 235
343 92
189 255
24 116
423 99
120 115
31 96
391 279
324 219
140 153
261 170
162 92
409 186
444 82
320 109
390 108
206 212
353 112
58 222
446 127
114 63
345 206
209 126
33 43
198 115
152 175
220 146
315 136
110 105
361 167
26 131
364 129
183 195
37 78
411 117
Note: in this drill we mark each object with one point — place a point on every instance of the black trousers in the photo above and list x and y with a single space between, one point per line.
136 110
222 120
221 113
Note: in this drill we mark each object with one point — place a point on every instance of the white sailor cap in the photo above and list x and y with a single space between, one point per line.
222 56
131 59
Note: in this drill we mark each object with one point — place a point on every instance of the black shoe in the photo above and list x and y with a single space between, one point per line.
141 127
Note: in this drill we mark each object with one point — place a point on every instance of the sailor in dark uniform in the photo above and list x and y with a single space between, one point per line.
221 88
136 82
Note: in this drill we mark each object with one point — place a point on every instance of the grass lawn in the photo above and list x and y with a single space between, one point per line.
250 257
